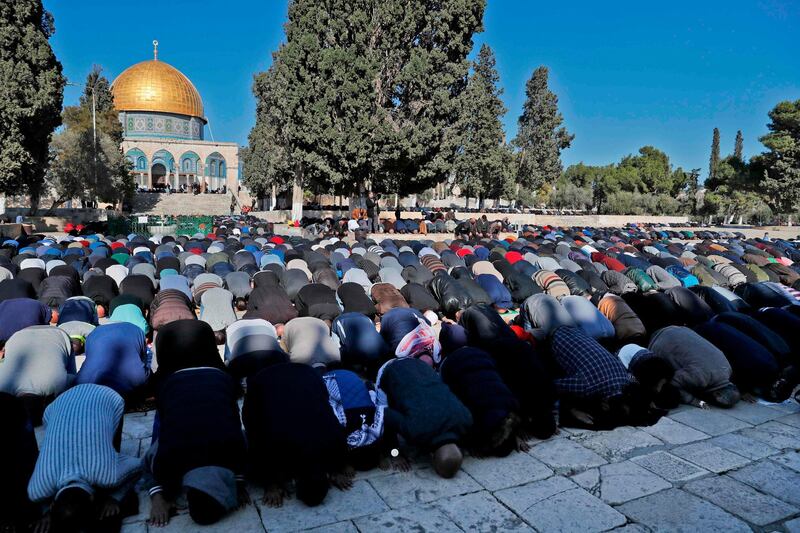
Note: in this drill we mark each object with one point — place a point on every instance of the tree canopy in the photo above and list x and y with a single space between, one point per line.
778 169
85 166
540 135
31 95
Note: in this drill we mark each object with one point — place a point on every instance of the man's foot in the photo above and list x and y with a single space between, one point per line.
343 480
522 445
110 509
273 496
160 510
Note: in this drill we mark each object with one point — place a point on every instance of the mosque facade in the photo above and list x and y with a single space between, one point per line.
163 124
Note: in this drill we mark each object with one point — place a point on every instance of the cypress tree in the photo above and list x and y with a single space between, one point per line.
481 165
738 147
713 161
31 95
540 135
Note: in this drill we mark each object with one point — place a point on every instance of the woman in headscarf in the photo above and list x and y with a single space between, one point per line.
308 341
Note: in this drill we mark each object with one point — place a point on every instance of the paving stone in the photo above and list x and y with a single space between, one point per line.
617 443
245 519
671 432
412 520
617 483
711 421
421 486
789 459
788 407
744 446
631 528
676 510
741 500
790 420
138 527
771 478
710 457
480 511
501 473
339 505
339 527
776 435
565 456
557 504
137 427
793 526
669 467
753 413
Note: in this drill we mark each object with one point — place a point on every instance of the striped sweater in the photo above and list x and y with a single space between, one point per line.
77 449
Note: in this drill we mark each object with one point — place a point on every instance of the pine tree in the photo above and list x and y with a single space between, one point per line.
779 167
481 165
31 95
713 162
540 135
738 147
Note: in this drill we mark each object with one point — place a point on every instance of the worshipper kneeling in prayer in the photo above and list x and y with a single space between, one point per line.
361 346
116 356
361 412
38 365
308 341
595 388
19 313
216 309
80 471
18 453
185 344
702 373
518 364
251 345
424 411
653 373
293 434
472 375
198 446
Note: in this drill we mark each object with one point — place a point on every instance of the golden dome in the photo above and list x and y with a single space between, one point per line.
156 86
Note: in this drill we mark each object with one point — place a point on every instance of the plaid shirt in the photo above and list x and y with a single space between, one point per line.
589 369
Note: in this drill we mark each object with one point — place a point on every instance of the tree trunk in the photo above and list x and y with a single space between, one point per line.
57 202
466 202
2 204
297 194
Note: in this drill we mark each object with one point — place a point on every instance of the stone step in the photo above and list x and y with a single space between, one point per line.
181 204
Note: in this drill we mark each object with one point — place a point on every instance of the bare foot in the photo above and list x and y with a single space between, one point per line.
160 510
343 480
43 525
522 445
748 397
110 508
400 463
242 497
273 496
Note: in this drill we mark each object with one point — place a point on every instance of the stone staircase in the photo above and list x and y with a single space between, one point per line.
181 204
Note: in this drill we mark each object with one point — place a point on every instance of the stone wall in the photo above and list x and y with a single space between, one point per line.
541 220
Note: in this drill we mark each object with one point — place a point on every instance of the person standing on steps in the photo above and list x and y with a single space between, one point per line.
373 212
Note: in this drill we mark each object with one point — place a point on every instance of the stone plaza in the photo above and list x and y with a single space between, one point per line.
695 470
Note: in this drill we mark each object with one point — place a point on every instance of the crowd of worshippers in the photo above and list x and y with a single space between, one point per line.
355 356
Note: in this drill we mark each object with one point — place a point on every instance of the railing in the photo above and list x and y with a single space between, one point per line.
149 225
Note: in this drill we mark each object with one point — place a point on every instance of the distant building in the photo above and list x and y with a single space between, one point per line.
163 130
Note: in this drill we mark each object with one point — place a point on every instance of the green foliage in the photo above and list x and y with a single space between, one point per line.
482 165
713 160
31 94
82 165
570 196
540 134
363 92
644 183
778 169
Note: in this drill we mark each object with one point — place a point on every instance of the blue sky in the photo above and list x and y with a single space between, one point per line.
627 73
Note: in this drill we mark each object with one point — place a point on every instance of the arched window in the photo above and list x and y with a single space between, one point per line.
222 169
141 163
213 168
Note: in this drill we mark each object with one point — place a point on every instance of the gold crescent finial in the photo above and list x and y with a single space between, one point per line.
155 50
